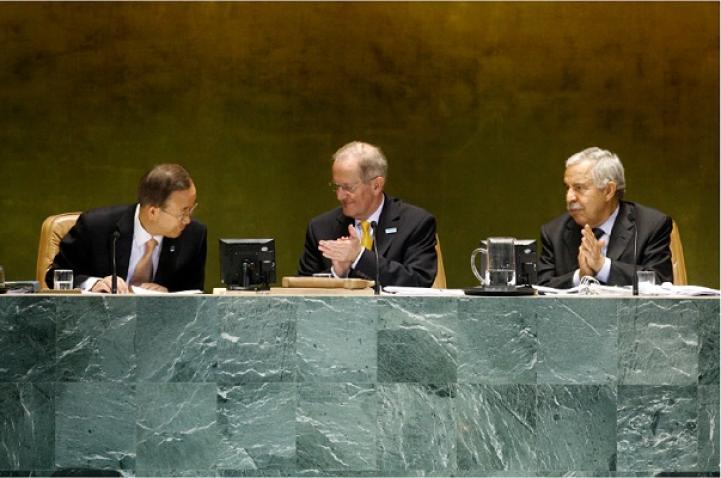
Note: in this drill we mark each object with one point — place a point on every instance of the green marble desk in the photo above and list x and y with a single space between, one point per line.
359 386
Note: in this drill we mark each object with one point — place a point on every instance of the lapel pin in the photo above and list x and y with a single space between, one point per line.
172 248
391 230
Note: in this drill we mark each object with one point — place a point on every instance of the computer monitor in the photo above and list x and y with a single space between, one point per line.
526 257
247 264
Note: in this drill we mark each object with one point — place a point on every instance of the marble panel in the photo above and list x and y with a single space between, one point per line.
27 426
657 428
27 339
372 474
95 425
256 424
577 341
591 474
190 473
708 428
177 427
416 428
95 339
497 341
576 428
336 426
497 473
657 342
708 334
270 472
417 340
177 339
496 428
556 473
257 339
43 473
337 340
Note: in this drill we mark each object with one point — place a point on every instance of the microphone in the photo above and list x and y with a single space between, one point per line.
374 225
114 280
634 279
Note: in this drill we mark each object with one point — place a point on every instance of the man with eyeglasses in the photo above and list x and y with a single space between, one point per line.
340 241
158 245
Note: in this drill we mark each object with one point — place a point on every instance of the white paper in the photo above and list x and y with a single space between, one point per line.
665 289
554 291
668 288
141 291
422 291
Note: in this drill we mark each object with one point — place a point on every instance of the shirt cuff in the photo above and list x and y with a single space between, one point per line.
357 259
577 278
605 271
89 283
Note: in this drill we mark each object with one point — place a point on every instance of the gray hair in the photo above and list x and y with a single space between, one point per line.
371 161
606 167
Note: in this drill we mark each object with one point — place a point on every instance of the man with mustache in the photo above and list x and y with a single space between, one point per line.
158 245
341 241
602 235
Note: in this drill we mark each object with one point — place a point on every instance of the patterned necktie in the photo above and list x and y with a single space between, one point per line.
144 268
366 238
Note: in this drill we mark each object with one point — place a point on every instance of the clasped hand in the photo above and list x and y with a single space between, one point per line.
342 251
590 257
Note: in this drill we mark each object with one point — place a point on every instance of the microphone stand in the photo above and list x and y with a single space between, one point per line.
634 279
374 225
114 280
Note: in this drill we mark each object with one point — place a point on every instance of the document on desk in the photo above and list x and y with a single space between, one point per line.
665 289
422 291
593 289
141 291
553 291
668 288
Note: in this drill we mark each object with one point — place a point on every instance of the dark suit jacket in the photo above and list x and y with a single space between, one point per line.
561 239
86 249
407 255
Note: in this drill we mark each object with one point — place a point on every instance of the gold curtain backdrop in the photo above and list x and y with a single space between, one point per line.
476 105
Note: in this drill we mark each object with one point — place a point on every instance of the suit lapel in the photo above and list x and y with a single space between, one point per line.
621 234
387 221
572 238
572 241
342 223
125 226
166 261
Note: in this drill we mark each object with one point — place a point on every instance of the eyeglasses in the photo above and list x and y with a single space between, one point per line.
348 188
186 214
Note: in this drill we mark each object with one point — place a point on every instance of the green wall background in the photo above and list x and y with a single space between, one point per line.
477 106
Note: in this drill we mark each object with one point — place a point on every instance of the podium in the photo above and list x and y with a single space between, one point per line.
358 386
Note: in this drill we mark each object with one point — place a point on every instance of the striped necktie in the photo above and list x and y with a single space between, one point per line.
144 268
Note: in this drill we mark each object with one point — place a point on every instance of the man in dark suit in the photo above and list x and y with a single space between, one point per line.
158 245
601 235
341 241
